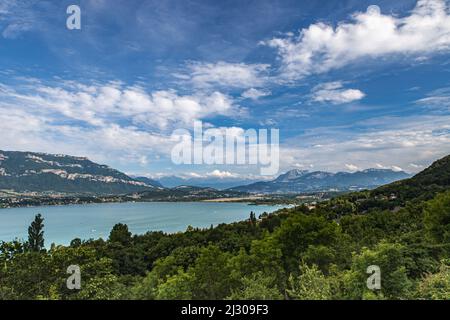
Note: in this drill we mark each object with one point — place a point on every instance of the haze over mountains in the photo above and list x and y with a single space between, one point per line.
301 181
148 181
39 172
207 182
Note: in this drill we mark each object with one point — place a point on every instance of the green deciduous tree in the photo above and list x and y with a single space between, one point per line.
311 284
176 287
436 286
300 231
257 287
437 219
211 274
390 258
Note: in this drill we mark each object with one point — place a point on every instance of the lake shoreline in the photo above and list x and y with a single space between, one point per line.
218 200
92 221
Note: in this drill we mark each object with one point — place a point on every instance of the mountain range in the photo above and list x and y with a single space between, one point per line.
148 181
220 183
41 172
302 181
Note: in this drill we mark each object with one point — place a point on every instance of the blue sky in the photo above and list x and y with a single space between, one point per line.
349 84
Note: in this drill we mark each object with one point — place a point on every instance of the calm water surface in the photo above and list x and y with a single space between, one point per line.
64 223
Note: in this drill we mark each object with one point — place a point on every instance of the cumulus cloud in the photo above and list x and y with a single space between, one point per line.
111 143
97 105
351 167
371 34
221 174
255 94
334 92
236 75
216 175
106 122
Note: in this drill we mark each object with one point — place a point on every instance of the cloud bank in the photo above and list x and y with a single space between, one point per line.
369 35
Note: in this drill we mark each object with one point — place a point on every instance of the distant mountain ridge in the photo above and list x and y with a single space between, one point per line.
173 181
302 181
41 172
149 181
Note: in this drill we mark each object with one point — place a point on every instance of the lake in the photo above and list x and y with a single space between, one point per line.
64 223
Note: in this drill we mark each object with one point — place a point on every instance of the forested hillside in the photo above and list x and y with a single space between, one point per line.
299 253
41 172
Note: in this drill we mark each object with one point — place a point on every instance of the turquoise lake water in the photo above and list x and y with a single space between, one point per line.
64 223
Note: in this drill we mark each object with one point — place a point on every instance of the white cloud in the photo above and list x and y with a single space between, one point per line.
12 20
388 167
396 168
214 175
392 145
237 75
334 92
371 34
111 143
437 100
352 167
17 17
302 166
221 174
255 94
107 122
97 105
